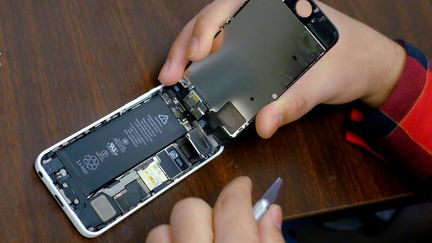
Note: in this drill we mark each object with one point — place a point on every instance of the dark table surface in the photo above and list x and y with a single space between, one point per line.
66 63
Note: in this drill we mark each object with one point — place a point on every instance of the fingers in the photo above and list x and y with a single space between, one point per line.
160 234
172 70
191 221
293 104
231 220
270 225
195 41
233 217
208 23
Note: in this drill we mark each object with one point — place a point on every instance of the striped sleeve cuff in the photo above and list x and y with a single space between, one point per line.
400 131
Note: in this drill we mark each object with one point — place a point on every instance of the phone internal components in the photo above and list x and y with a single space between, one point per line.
195 105
130 196
103 207
176 156
202 143
152 175
168 164
121 144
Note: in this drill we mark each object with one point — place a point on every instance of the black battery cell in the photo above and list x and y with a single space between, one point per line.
121 144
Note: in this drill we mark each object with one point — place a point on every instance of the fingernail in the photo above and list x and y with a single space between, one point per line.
165 69
276 214
193 47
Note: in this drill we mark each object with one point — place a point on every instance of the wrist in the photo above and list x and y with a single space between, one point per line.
386 73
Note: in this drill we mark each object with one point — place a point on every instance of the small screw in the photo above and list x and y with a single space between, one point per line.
63 172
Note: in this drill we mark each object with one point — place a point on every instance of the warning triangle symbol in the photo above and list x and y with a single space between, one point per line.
163 119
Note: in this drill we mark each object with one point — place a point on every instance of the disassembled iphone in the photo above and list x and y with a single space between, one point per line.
111 168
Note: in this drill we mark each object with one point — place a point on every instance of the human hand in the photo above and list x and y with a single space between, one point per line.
230 220
363 65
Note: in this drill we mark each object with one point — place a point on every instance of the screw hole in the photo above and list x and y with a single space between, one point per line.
252 99
294 58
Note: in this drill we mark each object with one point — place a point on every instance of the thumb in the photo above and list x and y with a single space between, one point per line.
269 227
292 105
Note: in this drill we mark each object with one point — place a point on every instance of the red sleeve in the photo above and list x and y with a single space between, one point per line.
400 131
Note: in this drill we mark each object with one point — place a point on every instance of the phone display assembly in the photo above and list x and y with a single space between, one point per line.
111 168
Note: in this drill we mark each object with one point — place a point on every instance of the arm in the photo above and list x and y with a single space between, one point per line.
401 129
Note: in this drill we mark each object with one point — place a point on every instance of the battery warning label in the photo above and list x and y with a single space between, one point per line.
163 119
143 131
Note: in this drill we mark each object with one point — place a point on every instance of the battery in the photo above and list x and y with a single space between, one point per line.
121 144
